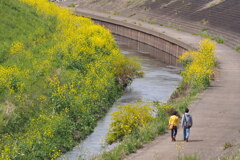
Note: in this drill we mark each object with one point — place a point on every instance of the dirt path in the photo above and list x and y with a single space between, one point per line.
216 113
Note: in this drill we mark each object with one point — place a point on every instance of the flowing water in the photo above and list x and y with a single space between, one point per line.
158 83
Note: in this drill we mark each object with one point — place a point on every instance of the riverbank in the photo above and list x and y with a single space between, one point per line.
215 112
159 82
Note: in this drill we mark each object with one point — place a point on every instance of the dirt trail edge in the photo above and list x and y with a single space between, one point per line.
216 114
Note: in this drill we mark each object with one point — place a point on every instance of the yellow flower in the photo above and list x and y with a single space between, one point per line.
199 70
17 48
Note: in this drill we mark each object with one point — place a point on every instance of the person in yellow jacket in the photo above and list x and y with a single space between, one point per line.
173 125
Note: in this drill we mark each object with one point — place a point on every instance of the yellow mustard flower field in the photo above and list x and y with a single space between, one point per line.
59 73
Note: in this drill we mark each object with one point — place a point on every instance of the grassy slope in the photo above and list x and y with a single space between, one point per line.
54 84
21 23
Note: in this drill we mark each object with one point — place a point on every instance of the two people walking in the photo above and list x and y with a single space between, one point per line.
186 123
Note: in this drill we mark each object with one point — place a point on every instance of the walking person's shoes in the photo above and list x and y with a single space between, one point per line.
174 139
186 139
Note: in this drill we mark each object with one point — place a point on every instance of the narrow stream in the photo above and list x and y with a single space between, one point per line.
158 83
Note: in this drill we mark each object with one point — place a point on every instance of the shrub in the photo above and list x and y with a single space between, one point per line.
199 65
127 119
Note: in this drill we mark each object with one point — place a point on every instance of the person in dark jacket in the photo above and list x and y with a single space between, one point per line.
186 123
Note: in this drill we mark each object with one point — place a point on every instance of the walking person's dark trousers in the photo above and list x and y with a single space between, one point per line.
174 131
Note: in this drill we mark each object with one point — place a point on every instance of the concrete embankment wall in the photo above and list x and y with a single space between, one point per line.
168 48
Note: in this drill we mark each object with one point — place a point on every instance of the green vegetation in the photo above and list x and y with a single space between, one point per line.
138 137
131 15
72 5
237 48
189 158
203 21
204 29
204 33
142 19
153 22
214 3
59 74
127 119
218 39
199 66
148 21
171 26
134 2
234 155
227 145
116 13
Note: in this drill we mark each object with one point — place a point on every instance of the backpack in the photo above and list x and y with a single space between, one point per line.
187 120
